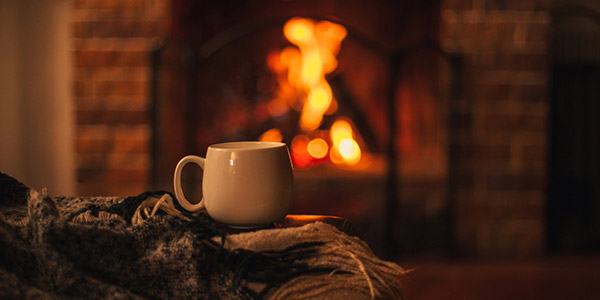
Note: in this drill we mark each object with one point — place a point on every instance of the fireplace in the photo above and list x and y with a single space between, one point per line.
472 173
368 132
367 126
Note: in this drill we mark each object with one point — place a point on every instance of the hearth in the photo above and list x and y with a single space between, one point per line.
360 92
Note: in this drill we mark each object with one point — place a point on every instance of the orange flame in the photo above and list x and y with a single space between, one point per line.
271 135
317 148
301 72
318 43
344 143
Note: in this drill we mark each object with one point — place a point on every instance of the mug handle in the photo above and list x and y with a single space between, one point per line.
177 183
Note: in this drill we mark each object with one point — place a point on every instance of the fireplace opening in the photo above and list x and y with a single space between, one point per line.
360 93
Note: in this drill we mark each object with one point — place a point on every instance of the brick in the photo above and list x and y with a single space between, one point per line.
126 189
128 161
117 28
526 62
534 158
81 88
491 76
484 151
515 198
519 5
121 88
97 144
501 35
121 176
130 83
535 153
111 117
92 139
139 44
508 61
116 5
480 34
111 58
132 139
116 73
116 103
515 122
496 34
532 93
538 31
490 91
89 174
504 182
100 188
91 189
457 4
93 159
482 167
112 177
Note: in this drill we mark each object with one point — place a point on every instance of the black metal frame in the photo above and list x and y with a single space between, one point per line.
572 186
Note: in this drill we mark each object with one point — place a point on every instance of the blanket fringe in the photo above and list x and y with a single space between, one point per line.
357 271
148 208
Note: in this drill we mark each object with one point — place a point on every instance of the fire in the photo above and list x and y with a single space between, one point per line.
317 148
301 74
271 135
344 143
318 44
300 155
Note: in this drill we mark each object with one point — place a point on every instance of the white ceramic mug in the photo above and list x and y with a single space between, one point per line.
244 184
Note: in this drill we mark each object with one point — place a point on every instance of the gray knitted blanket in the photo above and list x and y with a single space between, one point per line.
145 247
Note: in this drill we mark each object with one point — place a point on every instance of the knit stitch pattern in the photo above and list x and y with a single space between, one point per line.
147 247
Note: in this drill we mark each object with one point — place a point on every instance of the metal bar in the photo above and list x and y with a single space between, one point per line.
452 155
154 56
390 246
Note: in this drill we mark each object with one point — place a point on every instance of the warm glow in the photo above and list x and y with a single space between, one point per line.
300 144
301 72
299 154
312 68
310 120
288 56
299 30
319 98
331 34
307 66
317 148
339 131
350 150
333 106
335 156
343 140
271 135
277 108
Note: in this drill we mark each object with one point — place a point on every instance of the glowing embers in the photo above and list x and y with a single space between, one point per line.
344 143
301 72
317 148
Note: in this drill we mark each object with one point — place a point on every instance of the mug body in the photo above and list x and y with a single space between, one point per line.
248 184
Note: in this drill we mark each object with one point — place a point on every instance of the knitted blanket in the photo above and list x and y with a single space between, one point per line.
147 247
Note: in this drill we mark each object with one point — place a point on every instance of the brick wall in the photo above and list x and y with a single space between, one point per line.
503 111
111 40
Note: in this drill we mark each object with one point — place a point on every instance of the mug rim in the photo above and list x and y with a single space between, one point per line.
244 145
